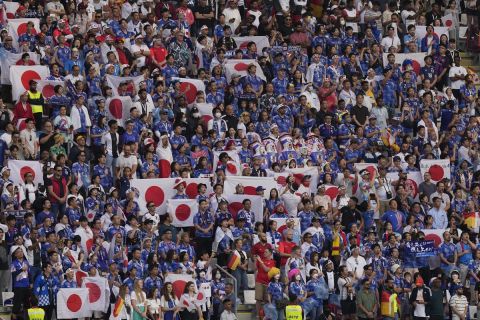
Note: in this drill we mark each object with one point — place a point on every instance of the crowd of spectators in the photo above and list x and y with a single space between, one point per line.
325 98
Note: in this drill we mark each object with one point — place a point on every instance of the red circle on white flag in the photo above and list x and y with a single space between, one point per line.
182 212
192 190
241 66
200 296
232 168
411 187
27 76
244 45
22 28
436 239
89 244
48 91
282 180
155 194
179 287
332 192
250 190
437 172
94 292
79 275
190 91
448 23
234 207
165 170
74 302
25 170
10 15
298 178
206 118
116 108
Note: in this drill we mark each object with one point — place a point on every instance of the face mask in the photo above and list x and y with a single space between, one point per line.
218 115
298 277
315 276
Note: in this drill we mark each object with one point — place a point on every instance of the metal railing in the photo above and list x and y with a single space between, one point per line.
229 275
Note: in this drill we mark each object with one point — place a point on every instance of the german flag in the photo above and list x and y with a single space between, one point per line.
470 219
117 309
233 262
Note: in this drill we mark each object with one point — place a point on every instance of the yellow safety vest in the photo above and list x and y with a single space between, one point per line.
35 107
293 312
36 314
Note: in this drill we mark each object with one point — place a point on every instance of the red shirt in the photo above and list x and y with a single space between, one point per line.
259 249
285 247
262 275
22 111
159 54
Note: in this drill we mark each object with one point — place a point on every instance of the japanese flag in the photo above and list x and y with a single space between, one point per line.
235 204
421 31
332 192
47 87
299 174
438 169
98 293
17 27
448 22
9 10
233 166
87 238
90 215
72 303
79 276
182 211
10 59
205 110
159 191
250 184
178 282
20 77
260 41
411 184
416 58
118 108
434 234
190 87
241 66
282 224
114 82
18 169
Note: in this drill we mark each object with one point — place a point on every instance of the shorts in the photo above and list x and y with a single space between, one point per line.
261 292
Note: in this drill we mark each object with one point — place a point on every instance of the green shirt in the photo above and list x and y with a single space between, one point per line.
367 299
436 303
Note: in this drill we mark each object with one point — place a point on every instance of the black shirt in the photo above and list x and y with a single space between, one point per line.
361 113
350 216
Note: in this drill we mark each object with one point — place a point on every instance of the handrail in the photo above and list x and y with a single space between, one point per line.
234 285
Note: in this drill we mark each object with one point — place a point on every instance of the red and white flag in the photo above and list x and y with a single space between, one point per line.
47 87
448 22
133 83
299 174
411 184
416 58
20 77
261 42
240 66
438 169
250 184
17 27
235 204
72 303
118 108
178 282
205 110
434 234
98 293
9 10
79 276
282 224
159 191
332 192
87 238
19 168
190 87
10 59
233 166
421 31
182 211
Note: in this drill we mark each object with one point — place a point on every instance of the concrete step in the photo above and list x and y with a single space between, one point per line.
246 315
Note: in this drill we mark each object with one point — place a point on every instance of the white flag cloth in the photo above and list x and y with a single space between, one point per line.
47 87
98 293
18 169
20 77
235 204
118 108
434 234
10 59
250 184
132 83
182 211
233 166
17 27
179 281
10 9
438 169
190 87
72 303
87 238
241 66
261 42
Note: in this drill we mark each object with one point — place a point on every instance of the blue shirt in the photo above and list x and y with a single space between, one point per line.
396 218
447 250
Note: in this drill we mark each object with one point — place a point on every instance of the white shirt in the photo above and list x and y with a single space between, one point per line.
107 142
457 84
228 315
123 162
291 202
355 265
388 42
460 303
138 48
30 140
